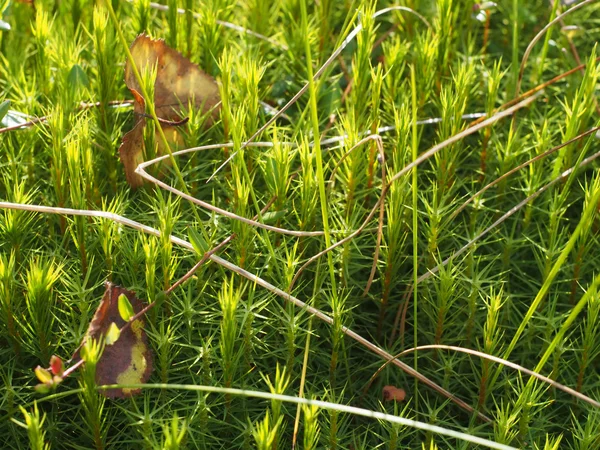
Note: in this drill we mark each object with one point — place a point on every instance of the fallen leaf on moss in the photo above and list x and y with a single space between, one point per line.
128 359
392 393
178 80
179 83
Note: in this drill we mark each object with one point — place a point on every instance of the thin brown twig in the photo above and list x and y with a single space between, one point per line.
506 215
423 157
356 232
385 35
205 258
68 371
492 358
379 145
140 170
534 90
317 74
43 119
522 166
538 36
28 124
399 320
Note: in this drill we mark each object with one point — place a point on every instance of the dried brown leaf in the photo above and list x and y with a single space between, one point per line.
179 84
178 80
392 393
128 360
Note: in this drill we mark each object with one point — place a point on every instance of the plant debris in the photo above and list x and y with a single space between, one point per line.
392 393
127 359
179 83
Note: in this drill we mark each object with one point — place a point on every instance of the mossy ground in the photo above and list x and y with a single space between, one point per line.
509 295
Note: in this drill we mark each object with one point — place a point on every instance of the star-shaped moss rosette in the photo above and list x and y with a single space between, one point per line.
179 83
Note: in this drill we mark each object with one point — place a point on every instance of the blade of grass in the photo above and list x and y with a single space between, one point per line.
539 36
415 234
321 404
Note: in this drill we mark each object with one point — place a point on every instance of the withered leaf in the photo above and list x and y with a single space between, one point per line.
128 360
392 393
177 79
179 83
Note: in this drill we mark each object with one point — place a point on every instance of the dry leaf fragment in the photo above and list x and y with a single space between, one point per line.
128 360
392 393
178 80
179 83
